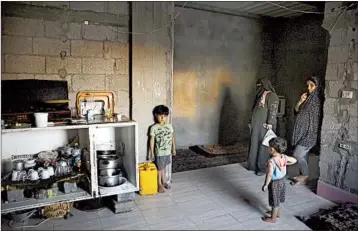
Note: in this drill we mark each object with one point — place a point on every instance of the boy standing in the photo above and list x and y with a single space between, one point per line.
276 171
162 144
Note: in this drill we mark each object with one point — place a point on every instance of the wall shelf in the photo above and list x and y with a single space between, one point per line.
66 127
35 203
30 141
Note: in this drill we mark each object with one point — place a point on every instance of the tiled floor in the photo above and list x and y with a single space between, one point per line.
226 197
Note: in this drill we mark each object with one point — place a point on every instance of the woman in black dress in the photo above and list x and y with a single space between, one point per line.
263 117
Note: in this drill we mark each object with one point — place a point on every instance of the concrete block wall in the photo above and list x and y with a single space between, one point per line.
300 51
152 61
217 60
338 166
97 54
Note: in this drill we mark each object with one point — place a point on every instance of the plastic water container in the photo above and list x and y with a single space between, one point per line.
148 179
41 119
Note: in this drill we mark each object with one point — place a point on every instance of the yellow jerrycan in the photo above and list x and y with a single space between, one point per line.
148 179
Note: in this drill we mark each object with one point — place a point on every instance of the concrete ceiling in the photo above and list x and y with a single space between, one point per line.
269 9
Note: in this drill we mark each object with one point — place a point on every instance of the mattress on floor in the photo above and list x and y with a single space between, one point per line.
341 217
240 148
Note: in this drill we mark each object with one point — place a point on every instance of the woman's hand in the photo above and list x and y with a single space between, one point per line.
268 126
303 98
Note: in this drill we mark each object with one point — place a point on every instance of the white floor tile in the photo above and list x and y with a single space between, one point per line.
227 198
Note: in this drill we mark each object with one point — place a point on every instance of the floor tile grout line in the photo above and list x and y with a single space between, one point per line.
141 212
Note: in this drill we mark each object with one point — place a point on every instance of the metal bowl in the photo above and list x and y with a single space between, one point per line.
108 163
108 181
111 181
110 172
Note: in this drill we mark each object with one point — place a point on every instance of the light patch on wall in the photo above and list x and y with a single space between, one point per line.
185 94
190 90
222 77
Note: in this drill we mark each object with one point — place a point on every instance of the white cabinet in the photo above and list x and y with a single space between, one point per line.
19 142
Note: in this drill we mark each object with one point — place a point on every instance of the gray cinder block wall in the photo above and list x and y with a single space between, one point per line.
339 142
97 57
152 64
95 39
217 60
300 51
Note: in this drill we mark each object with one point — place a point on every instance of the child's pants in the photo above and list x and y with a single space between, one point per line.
277 193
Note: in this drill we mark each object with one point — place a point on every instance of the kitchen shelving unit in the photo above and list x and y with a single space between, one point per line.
30 141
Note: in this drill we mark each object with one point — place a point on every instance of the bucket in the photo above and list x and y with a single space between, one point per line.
41 119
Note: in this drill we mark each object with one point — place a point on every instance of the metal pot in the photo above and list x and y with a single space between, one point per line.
111 162
108 181
110 172
107 152
111 181
18 165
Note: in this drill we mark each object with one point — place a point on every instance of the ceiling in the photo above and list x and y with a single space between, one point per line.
274 9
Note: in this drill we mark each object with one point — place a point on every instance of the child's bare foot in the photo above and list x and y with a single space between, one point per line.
161 189
268 214
269 220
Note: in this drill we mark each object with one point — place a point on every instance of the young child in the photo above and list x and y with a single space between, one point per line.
162 144
275 172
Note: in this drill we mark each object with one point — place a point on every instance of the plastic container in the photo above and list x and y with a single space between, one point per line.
148 179
41 119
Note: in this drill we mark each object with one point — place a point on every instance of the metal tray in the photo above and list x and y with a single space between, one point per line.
97 100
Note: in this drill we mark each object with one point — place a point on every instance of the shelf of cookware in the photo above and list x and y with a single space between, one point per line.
32 203
125 143
20 142
64 127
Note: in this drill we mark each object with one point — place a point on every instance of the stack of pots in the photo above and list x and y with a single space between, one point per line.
110 174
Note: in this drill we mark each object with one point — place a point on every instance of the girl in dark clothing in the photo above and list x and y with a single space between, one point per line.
305 131
263 118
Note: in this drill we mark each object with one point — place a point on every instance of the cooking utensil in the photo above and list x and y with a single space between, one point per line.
110 172
107 152
110 162
66 151
51 171
111 181
90 99
47 157
27 165
76 151
18 165
33 175
121 181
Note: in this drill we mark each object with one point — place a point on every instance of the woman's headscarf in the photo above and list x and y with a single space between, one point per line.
317 91
317 82
262 85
